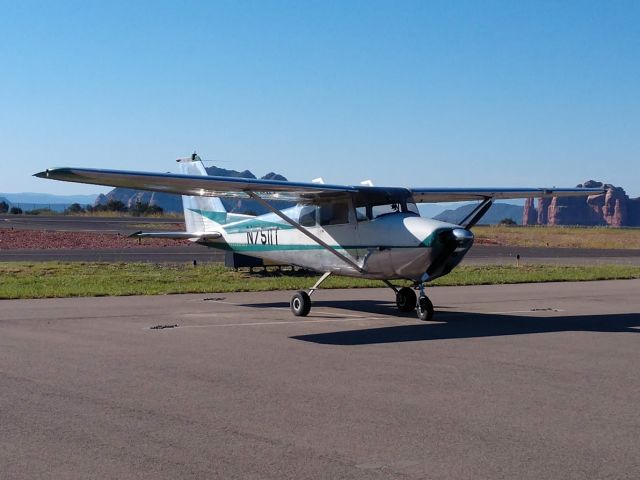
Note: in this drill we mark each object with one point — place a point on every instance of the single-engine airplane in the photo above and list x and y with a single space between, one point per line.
358 231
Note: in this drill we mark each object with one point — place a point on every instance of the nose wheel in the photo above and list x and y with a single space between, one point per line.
424 308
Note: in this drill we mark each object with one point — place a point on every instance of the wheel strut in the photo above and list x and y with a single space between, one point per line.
324 276
301 300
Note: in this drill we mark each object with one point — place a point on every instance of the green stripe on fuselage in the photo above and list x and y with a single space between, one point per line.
432 238
243 247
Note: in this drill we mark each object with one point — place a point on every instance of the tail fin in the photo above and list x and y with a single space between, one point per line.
201 214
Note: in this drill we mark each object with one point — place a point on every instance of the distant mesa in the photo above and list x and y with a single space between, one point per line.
613 208
171 203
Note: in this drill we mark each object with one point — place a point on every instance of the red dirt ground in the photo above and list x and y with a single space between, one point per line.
44 240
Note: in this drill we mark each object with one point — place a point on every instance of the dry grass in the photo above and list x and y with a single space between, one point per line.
559 237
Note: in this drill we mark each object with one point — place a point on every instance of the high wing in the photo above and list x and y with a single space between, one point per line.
228 187
231 187
436 195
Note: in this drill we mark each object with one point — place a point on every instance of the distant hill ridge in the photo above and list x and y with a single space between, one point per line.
497 213
47 198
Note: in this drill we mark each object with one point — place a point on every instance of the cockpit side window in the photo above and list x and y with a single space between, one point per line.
334 213
363 214
369 206
379 210
411 208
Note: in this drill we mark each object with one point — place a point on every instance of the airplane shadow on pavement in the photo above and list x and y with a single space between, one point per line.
474 325
455 324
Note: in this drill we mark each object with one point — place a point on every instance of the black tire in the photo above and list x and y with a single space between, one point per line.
406 299
424 309
301 304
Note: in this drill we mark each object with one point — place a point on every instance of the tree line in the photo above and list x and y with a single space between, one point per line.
138 209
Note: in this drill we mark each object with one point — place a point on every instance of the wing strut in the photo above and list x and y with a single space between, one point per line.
295 224
477 213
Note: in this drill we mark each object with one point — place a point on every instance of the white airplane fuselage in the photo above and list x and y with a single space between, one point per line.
396 245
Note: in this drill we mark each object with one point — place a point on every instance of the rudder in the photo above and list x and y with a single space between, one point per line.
201 214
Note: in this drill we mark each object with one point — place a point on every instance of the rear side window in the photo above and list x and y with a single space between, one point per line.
334 213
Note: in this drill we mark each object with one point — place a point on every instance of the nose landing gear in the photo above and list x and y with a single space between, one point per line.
407 300
424 308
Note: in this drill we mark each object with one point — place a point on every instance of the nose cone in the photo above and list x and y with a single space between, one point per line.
463 238
456 239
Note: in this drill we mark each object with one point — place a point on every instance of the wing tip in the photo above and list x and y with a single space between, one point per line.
53 173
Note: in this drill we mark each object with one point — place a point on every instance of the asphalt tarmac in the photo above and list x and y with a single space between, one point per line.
517 381
478 255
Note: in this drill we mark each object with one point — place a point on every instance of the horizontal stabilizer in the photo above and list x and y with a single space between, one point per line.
177 235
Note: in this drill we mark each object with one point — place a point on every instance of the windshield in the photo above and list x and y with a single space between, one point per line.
371 211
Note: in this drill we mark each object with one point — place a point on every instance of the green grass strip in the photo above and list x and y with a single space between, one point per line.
56 279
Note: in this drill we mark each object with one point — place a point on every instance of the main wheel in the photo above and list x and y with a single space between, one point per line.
301 304
424 309
406 299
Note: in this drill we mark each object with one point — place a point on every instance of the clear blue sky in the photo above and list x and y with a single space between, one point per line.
449 93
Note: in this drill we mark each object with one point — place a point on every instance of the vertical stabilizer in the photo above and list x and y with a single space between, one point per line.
201 214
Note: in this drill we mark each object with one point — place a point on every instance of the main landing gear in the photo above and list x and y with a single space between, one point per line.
301 304
406 299
301 300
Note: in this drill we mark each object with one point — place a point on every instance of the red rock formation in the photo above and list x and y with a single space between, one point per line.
543 210
613 208
633 210
614 211
530 216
